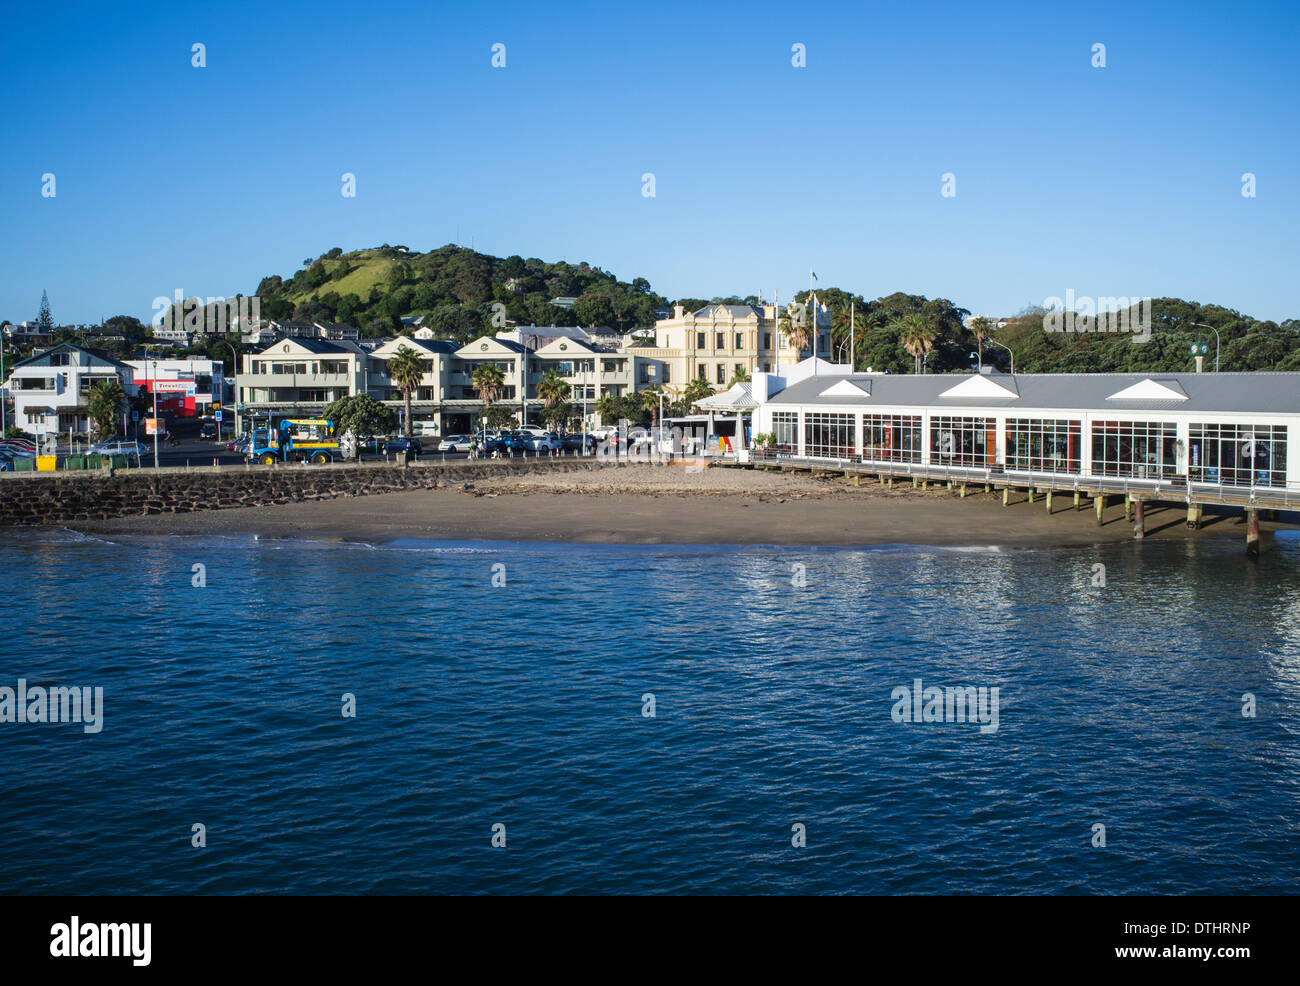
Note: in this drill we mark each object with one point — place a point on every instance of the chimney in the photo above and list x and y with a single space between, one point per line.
678 311
1200 363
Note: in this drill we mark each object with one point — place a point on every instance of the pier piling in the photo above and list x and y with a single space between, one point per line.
1049 501
1099 501
1128 507
1139 529
1252 532
1194 516
1006 494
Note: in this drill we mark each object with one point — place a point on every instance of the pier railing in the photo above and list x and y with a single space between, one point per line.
1172 487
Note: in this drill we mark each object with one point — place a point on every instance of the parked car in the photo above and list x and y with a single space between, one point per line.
120 447
402 446
537 430
578 442
455 443
209 430
545 442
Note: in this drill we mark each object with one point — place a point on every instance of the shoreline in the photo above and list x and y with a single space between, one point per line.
651 506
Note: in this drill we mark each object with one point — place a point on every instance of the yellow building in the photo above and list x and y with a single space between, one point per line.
719 340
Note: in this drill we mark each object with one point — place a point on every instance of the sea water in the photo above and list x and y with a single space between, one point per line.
292 716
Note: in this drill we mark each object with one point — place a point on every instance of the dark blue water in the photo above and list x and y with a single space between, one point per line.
1119 705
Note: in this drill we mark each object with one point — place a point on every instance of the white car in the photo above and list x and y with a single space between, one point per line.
455 443
119 448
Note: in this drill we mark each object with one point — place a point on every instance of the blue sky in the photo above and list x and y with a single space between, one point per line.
1123 180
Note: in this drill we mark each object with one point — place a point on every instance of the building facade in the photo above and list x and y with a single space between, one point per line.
51 391
719 341
1216 429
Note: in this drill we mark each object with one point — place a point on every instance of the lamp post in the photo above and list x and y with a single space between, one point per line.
153 386
1008 349
1216 341
4 421
234 368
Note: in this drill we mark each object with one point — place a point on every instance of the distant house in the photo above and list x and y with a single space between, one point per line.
337 331
565 303
28 334
51 391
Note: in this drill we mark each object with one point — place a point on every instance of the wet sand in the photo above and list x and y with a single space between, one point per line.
648 505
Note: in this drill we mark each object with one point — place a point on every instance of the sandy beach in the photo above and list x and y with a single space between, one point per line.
651 504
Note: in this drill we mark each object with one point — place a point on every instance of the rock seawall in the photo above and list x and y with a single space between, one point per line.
67 497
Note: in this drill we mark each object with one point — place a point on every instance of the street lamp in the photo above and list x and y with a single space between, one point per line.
4 422
1216 341
153 386
234 367
1008 349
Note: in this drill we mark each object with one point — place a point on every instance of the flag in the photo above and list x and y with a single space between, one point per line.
813 273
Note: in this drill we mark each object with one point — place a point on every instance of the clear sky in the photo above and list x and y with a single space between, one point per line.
1123 180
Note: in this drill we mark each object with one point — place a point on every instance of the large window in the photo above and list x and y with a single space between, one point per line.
891 437
829 435
1237 455
785 425
1043 445
722 373
1140 449
720 340
963 441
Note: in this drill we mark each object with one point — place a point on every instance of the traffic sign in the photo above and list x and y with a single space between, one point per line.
135 415
217 415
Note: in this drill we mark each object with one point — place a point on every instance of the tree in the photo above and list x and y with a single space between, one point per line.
360 415
740 376
606 408
917 336
794 323
650 402
105 407
558 415
406 370
499 417
44 320
553 388
980 328
697 390
488 381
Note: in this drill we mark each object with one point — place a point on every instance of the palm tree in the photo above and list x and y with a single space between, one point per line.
488 381
606 408
917 337
650 402
841 328
553 389
794 323
980 327
406 370
696 390
740 376
104 407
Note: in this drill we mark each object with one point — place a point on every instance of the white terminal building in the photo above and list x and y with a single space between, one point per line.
1160 432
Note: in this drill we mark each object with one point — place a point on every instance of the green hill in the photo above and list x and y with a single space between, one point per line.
460 292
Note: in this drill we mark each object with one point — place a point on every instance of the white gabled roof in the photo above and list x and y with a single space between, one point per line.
1151 389
848 388
986 387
